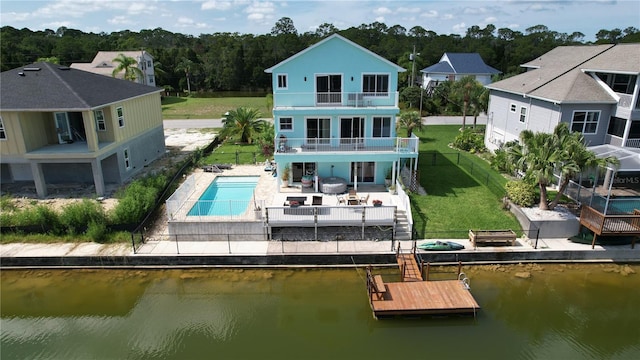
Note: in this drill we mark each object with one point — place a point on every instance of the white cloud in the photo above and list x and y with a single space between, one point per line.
460 28
216 5
380 19
447 17
474 10
57 24
490 19
382 11
429 14
413 10
120 20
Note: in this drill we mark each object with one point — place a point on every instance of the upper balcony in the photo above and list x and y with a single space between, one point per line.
335 99
312 146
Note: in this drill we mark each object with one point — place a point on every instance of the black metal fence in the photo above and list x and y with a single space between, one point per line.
485 177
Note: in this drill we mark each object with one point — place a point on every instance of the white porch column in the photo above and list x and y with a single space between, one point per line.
38 179
625 135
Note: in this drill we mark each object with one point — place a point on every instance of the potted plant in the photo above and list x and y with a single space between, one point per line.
387 177
377 203
294 203
285 175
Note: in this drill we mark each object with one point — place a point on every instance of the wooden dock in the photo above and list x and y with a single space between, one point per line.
415 296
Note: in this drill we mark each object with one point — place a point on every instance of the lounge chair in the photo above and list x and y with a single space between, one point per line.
364 200
317 200
211 169
341 200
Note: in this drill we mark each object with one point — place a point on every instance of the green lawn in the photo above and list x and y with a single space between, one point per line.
235 154
455 200
209 108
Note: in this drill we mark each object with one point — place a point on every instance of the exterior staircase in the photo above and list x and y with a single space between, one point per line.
403 231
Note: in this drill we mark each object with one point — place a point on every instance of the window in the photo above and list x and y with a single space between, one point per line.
286 124
282 81
585 122
150 79
3 134
127 159
149 64
375 84
329 89
101 125
523 114
381 127
513 108
120 113
620 83
318 130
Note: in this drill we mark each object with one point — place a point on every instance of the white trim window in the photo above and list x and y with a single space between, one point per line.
120 113
282 81
375 84
3 133
285 124
513 108
523 114
127 158
101 125
585 122
381 126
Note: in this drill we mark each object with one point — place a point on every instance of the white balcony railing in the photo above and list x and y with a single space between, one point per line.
315 145
343 99
633 143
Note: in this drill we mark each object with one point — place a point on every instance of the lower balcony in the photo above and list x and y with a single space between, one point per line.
285 145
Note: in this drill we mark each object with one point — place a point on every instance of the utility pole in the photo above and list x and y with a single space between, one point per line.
412 57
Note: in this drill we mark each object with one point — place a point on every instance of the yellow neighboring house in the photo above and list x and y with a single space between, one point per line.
103 64
60 125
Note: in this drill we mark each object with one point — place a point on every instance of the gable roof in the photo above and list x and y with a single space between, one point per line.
560 75
49 87
334 37
103 63
461 63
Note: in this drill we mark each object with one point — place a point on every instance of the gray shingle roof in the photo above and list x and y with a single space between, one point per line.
461 63
561 75
57 88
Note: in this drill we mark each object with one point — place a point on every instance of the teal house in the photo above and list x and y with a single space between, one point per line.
334 108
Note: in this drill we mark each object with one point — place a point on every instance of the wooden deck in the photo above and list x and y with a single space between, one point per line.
612 225
415 296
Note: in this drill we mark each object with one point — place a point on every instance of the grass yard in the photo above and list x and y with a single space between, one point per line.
455 200
235 154
209 108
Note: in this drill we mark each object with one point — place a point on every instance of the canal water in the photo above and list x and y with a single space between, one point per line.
528 312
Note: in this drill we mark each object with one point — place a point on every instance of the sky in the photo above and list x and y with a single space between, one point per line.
195 17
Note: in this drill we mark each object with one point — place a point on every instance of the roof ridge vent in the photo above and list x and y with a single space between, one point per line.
63 68
31 69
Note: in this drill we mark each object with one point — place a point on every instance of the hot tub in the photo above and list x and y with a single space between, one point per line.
333 185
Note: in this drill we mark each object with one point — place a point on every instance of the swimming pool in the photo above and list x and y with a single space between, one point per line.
225 196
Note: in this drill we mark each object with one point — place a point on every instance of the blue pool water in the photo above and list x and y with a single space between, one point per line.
226 195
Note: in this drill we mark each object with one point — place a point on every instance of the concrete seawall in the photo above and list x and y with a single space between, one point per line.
625 255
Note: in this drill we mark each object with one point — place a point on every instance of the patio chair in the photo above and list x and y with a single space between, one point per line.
317 200
341 200
365 200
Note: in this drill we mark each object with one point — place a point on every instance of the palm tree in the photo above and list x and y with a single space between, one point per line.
410 120
576 159
467 89
538 155
242 123
185 65
129 65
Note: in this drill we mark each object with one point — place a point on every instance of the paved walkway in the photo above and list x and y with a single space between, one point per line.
239 248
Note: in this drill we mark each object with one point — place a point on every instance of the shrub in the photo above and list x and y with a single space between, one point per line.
469 140
6 203
77 217
521 193
137 199
97 231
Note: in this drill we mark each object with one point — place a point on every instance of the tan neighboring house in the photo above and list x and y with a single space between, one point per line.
60 125
103 64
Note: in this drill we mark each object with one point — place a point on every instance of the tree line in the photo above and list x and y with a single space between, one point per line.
233 61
